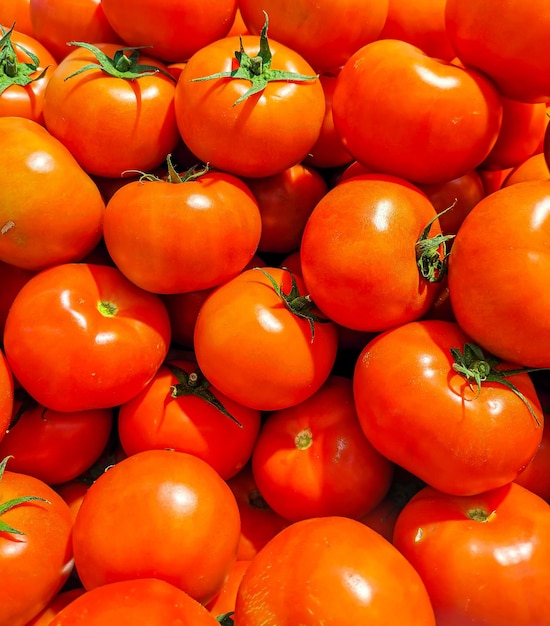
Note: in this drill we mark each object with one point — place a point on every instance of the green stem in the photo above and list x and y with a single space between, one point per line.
431 252
13 72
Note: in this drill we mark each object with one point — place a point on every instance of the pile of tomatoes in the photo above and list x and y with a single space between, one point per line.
274 313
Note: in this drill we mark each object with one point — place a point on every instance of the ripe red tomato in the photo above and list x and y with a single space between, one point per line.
44 190
224 601
254 341
60 601
55 446
6 395
81 336
180 410
325 37
533 168
269 130
505 41
501 250
18 12
390 96
180 28
313 460
35 546
359 253
482 558
126 603
215 213
341 571
161 514
117 121
457 436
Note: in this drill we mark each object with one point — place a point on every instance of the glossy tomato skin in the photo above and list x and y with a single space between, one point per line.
81 336
44 190
215 214
111 124
358 253
264 134
18 12
482 558
6 395
60 601
251 347
342 572
506 42
143 601
511 264
182 504
390 94
154 419
43 554
313 460
439 428
325 37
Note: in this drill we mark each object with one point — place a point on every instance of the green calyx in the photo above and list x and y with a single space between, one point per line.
299 305
431 252
12 71
477 368
195 384
11 504
120 65
173 176
226 619
257 69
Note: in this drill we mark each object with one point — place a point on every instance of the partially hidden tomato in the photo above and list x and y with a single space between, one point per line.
259 339
6 395
224 601
36 556
390 94
455 423
60 601
82 336
17 12
482 558
162 514
533 168
43 189
341 571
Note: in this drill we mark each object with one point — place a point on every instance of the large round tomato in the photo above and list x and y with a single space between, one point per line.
331 570
458 435
183 234
253 135
483 558
359 253
81 336
129 602
498 270
259 340
116 120
312 459
44 191
506 41
161 514
402 112
36 555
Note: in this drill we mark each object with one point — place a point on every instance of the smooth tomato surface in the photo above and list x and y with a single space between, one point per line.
6 395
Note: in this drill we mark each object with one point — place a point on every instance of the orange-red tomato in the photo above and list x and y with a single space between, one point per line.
61 600
224 601
533 168
6 395
17 12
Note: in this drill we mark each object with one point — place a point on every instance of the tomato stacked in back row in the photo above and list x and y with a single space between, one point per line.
274 312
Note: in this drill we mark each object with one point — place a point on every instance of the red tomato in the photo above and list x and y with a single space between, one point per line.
259 323
44 190
22 88
533 168
313 460
259 522
493 179
88 331
390 94
341 571
35 546
162 514
325 37
457 436
180 28
55 446
112 122
482 558
12 278
254 135
501 250
6 395
127 603
180 410
505 41
73 493
215 212
536 476
359 253
61 600
55 22
224 601
17 12
286 201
